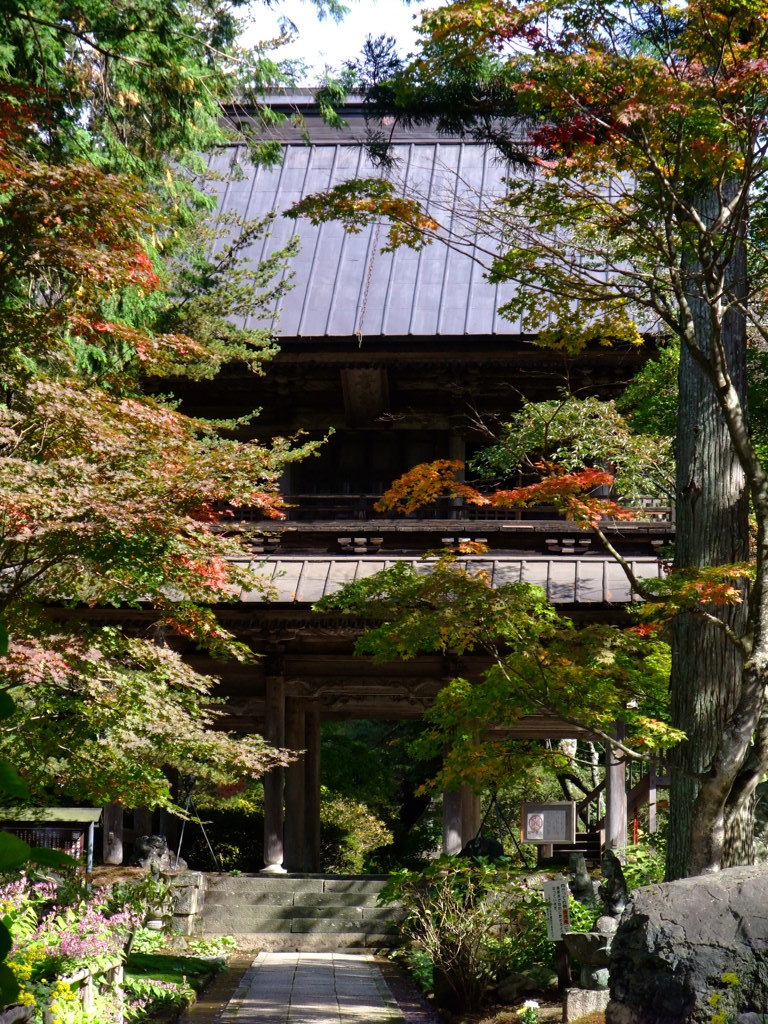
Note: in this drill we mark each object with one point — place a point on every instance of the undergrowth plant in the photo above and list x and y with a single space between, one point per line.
468 923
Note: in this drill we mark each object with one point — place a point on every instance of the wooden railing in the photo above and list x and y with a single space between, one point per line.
360 508
87 982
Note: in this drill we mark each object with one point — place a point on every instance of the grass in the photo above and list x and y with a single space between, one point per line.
191 972
171 967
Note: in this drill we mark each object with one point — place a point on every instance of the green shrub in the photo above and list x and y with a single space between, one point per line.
644 864
472 922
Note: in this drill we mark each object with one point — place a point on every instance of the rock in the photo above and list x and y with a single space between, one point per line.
580 1001
606 925
581 885
589 948
152 853
593 977
543 978
675 942
613 892
752 1018
510 988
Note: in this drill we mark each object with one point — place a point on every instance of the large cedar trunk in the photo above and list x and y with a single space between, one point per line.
712 529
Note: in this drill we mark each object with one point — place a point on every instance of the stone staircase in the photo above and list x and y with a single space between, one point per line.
298 912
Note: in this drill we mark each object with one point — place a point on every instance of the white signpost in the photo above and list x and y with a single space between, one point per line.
558 914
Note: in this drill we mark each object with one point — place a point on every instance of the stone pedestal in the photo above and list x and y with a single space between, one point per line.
580 1001
188 900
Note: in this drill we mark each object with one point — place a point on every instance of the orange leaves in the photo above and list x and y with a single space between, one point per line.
424 484
569 492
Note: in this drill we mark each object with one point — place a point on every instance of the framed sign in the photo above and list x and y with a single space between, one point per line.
546 824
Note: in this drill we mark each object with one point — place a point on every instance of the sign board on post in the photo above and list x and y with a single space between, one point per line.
558 914
549 823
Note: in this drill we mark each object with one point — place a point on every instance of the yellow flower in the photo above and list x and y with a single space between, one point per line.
729 978
715 999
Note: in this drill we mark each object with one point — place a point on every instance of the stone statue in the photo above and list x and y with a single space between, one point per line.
613 892
152 852
581 885
483 846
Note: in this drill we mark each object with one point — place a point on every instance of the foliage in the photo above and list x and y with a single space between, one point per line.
139 86
528 1012
216 947
126 710
158 983
373 763
472 923
59 928
541 664
349 832
109 496
53 940
641 126
644 863
574 433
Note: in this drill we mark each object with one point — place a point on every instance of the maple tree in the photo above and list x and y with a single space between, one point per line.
641 131
109 496
539 662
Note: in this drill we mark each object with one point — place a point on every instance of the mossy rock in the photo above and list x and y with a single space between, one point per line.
597 1017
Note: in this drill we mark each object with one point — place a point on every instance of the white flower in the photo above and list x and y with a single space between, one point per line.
530 1004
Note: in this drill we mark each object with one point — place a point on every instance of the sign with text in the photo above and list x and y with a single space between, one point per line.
549 823
558 915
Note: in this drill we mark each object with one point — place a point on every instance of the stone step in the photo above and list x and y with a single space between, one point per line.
320 943
259 913
329 902
289 883
234 923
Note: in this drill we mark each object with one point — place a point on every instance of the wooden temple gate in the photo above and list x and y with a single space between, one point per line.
405 357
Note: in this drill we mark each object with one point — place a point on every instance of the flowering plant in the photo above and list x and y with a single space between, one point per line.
528 1012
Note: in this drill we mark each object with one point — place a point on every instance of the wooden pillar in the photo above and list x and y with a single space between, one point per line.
652 798
274 733
452 821
312 791
293 830
142 821
616 796
113 834
470 814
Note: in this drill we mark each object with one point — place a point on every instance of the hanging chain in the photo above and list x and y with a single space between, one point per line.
367 288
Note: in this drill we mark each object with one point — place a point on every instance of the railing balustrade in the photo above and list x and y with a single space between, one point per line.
90 981
360 508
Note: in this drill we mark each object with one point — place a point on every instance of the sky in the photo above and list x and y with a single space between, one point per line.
328 43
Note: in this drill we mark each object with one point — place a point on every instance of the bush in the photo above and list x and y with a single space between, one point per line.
473 922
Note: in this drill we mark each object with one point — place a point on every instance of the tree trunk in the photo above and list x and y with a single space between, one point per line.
712 529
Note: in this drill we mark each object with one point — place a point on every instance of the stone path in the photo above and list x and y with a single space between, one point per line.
312 988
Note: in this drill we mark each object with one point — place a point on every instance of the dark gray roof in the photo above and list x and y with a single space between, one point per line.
565 580
438 291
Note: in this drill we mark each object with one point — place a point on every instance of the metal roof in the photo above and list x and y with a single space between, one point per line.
438 291
565 580
73 815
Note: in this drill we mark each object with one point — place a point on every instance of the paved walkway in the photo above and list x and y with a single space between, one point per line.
312 988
